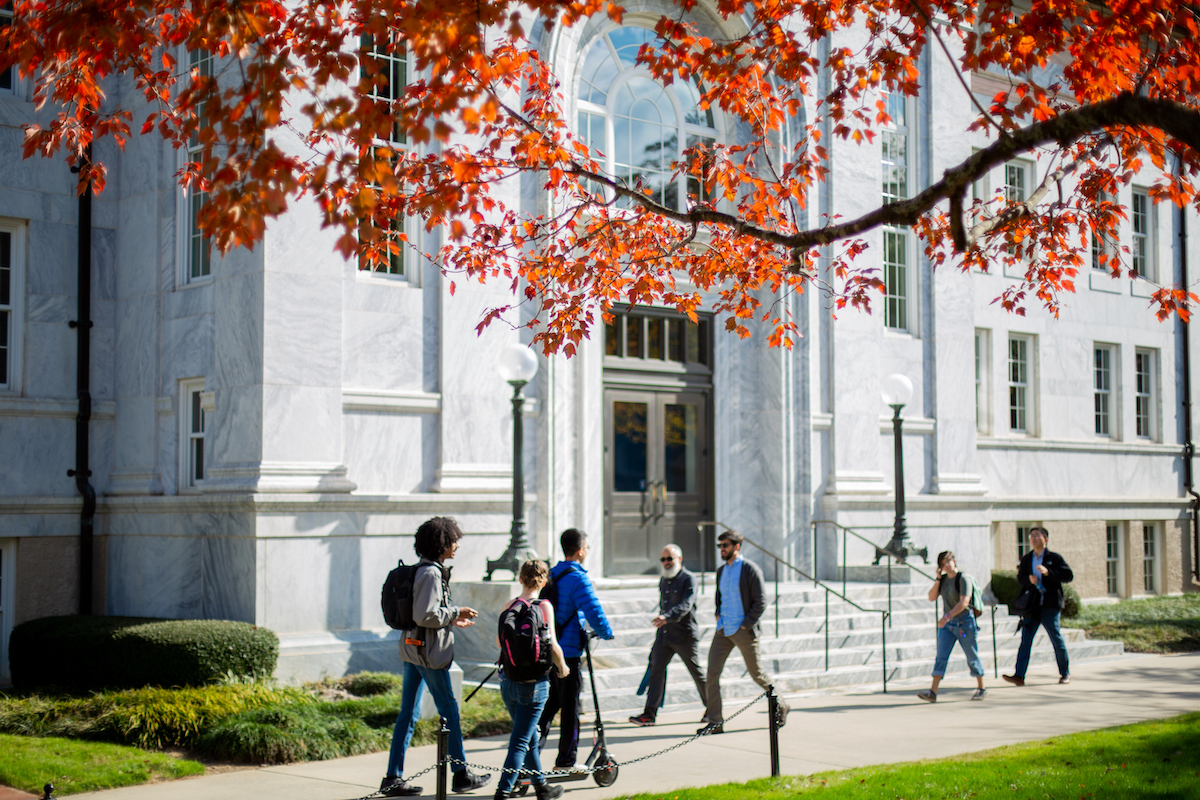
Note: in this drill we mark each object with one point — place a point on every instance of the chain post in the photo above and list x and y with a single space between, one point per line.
827 630
995 654
48 790
443 758
883 632
773 726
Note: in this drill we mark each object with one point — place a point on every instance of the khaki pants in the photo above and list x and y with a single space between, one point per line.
722 646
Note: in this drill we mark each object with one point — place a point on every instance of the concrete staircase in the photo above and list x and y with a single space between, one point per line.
796 655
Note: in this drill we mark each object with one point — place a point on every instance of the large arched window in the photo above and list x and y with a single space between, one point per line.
640 125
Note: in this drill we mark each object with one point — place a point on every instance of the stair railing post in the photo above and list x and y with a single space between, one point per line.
773 726
884 626
827 630
845 563
995 654
777 598
443 758
889 590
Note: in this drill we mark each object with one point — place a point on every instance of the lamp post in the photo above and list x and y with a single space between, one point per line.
517 365
897 391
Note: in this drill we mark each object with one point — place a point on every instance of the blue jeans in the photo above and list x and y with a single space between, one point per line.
415 680
1048 619
524 702
961 629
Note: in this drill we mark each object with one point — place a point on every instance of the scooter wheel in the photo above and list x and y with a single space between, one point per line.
605 770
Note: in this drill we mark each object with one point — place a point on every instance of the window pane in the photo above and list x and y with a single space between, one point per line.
629 447
654 339
5 268
895 278
197 414
679 450
612 338
633 337
675 340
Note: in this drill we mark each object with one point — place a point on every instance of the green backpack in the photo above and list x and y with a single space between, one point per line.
976 603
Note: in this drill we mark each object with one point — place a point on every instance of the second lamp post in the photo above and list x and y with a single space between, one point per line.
517 365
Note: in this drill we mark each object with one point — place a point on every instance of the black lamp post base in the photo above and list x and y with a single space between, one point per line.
508 561
899 549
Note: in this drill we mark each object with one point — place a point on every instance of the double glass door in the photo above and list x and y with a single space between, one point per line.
656 476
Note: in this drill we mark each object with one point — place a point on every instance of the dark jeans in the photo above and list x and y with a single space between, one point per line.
666 646
415 680
1048 619
524 702
564 697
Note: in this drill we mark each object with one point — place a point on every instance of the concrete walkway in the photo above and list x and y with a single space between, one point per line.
824 732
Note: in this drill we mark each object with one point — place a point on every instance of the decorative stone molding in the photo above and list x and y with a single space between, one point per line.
277 476
951 483
851 482
63 408
395 402
134 482
164 406
473 478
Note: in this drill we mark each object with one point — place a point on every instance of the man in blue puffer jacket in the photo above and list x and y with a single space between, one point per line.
575 602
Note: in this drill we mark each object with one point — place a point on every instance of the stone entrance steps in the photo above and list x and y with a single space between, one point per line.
795 652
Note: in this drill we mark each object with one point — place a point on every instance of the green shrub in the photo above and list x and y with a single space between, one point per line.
297 733
1071 602
1004 585
124 652
367 684
148 717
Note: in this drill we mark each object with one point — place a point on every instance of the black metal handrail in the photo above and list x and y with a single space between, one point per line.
890 555
778 561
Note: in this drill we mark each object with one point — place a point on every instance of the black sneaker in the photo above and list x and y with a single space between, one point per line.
642 720
548 791
467 781
396 787
710 730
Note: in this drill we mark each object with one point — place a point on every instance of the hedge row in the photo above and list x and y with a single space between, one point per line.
1006 589
83 652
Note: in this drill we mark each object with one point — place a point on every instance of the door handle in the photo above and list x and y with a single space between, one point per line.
660 496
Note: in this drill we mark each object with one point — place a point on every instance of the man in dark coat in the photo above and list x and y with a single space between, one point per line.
677 634
740 603
1046 571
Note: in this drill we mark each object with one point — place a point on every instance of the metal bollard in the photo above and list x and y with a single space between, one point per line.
443 758
49 792
773 726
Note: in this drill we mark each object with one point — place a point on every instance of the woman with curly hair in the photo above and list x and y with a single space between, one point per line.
427 650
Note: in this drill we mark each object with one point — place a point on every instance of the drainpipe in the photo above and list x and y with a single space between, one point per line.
83 331
1189 447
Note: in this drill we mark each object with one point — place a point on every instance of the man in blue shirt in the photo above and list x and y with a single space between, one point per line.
1047 571
574 601
740 603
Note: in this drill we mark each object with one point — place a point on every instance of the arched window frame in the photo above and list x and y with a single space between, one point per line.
594 122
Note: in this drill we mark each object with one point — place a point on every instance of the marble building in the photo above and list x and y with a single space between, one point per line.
269 427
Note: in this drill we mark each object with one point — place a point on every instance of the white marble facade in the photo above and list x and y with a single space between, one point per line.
343 408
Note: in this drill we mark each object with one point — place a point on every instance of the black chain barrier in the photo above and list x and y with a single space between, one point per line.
448 760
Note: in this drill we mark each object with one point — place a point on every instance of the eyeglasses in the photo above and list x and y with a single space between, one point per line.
667 560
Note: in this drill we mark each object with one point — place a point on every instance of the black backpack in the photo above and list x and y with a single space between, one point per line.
525 651
397 597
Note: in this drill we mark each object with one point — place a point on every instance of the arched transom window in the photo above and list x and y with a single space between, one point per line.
640 125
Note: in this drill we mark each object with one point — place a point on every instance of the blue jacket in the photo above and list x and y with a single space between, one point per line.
576 602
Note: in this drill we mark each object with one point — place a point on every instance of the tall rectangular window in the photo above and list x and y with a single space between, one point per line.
384 68
982 384
8 73
191 433
1112 558
1145 413
1019 384
1103 246
198 245
1102 384
1141 221
12 240
1015 182
1023 545
1150 559
896 171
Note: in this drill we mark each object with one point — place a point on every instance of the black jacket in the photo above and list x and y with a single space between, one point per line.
677 602
1058 573
750 582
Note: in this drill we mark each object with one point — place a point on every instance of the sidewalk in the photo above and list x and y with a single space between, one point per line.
826 732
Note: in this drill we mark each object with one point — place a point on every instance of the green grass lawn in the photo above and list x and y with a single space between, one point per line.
1152 625
72 765
1146 761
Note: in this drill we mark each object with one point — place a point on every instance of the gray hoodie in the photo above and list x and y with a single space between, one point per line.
433 614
